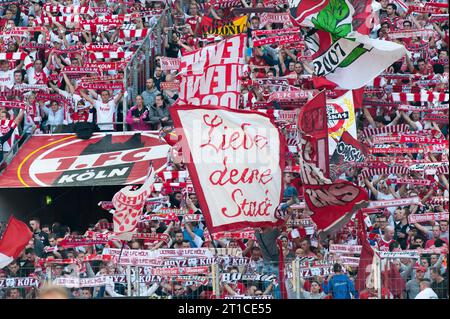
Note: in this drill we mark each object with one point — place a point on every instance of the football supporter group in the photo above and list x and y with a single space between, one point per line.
62 68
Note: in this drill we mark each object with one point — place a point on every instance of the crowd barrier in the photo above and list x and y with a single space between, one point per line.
207 274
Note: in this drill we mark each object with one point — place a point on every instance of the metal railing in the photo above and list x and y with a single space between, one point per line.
221 281
141 65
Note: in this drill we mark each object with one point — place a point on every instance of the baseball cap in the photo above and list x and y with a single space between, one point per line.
420 268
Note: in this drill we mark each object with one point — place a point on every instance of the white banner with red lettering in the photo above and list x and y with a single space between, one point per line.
420 218
345 249
236 162
211 75
129 205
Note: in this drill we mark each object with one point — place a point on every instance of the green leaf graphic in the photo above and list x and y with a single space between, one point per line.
355 54
329 18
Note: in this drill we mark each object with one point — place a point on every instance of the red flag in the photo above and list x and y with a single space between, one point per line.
332 203
393 280
313 121
16 237
366 254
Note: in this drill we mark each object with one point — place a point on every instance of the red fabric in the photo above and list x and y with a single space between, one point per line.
281 270
430 242
322 83
16 237
385 294
366 254
393 280
313 121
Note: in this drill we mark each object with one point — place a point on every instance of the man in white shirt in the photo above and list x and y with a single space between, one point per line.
425 290
7 75
38 74
105 107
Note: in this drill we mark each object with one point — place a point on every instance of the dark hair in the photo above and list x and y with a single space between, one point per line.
436 270
393 5
29 251
428 281
337 268
393 245
438 69
35 219
438 243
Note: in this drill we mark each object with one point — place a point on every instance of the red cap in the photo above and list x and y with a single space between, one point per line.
420 268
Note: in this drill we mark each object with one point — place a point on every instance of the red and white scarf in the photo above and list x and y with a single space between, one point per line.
386 130
257 33
271 17
421 218
395 202
12 104
425 33
408 181
425 96
171 175
424 9
141 33
282 39
16 56
366 173
110 55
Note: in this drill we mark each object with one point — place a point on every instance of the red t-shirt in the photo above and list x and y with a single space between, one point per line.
430 242
80 117
239 288
383 245
385 294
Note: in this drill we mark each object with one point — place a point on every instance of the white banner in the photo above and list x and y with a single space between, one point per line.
155 257
420 218
345 249
129 205
395 202
69 282
211 75
235 165
398 254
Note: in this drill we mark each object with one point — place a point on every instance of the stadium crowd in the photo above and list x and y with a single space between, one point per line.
47 51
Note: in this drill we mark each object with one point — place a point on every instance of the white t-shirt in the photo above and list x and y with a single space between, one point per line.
105 114
42 78
7 79
427 293
382 196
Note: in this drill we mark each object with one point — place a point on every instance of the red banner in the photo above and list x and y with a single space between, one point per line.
313 121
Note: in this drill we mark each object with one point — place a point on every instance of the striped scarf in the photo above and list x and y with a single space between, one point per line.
110 55
141 33
386 130
366 173
424 96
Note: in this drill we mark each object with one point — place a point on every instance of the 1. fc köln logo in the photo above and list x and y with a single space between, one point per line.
104 159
